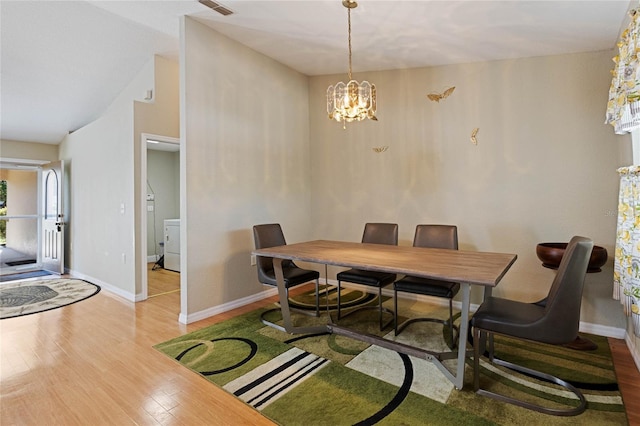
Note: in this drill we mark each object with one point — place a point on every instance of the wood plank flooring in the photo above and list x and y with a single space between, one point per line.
161 281
628 379
92 363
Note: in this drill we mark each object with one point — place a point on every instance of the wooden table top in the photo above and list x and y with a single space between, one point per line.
471 267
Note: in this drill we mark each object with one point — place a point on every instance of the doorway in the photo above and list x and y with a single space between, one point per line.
19 220
160 207
21 198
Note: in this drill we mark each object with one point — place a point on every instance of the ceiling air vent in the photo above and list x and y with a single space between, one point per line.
217 7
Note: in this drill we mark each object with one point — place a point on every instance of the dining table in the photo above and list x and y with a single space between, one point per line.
469 268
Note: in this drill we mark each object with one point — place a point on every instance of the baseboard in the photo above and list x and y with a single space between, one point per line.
104 286
153 258
197 316
635 350
603 330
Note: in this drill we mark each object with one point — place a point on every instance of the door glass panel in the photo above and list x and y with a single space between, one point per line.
21 244
18 219
51 196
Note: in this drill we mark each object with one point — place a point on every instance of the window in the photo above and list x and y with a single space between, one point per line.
51 196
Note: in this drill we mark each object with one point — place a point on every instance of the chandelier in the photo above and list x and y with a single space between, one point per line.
352 101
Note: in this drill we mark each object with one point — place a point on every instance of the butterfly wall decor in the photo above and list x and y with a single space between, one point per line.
437 97
380 149
474 132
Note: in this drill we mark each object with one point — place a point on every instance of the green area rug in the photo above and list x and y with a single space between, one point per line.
334 380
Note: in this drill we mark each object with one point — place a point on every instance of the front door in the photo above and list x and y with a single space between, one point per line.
52 220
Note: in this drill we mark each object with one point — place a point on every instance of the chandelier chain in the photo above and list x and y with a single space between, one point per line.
349 18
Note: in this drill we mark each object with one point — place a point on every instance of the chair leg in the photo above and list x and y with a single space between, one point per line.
491 347
317 297
476 359
453 341
339 299
380 305
573 411
395 312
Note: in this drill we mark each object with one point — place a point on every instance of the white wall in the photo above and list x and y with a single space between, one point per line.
544 168
244 160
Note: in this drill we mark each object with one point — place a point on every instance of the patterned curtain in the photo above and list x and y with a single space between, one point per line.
623 108
626 273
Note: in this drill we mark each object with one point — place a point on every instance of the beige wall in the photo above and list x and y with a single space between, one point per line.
161 116
544 168
99 166
28 150
101 161
245 160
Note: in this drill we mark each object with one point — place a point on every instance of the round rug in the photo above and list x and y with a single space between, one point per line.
30 297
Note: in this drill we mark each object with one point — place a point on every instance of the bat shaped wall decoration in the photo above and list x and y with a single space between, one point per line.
380 149
437 97
473 136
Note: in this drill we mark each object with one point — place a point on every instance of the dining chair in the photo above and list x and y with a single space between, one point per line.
430 236
271 235
374 233
554 320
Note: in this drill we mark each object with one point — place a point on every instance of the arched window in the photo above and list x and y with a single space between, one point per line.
51 196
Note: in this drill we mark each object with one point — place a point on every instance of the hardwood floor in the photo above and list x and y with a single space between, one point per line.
161 281
628 379
93 363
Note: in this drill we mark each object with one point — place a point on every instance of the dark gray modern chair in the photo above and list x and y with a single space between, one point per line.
271 235
374 233
554 320
430 236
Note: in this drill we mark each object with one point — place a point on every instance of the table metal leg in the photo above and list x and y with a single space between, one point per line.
284 305
462 337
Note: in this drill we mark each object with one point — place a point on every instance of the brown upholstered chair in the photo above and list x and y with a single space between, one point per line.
430 236
271 235
374 233
555 320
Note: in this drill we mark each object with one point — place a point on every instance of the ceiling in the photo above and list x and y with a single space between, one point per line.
63 62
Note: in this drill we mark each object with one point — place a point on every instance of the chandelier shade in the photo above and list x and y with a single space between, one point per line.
352 101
